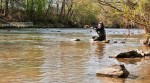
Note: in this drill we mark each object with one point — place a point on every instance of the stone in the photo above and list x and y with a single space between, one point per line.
114 41
76 39
107 41
55 31
147 53
130 54
122 42
114 71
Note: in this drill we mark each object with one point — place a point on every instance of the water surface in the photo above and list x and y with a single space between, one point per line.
52 56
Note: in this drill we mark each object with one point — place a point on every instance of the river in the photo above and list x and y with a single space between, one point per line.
52 56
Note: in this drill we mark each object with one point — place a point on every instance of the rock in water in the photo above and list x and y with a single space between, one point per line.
114 71
114 41
107 41
130 54
76 39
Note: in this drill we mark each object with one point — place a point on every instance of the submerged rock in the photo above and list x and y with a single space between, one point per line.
114 71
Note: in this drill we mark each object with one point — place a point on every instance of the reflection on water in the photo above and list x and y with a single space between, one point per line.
99 50
111 80
51 56
130 60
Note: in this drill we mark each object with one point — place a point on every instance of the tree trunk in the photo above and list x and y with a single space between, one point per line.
69 9
6 8
48 9
12 6
1 10
62 9
1 4
57 7
31 10
27 6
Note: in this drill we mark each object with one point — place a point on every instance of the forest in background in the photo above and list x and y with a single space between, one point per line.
77 13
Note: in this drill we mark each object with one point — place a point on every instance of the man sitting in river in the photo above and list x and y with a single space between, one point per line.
99 30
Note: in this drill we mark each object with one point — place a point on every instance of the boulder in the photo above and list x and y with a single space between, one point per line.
114 71
132 54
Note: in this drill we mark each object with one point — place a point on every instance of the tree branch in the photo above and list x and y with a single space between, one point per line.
108 4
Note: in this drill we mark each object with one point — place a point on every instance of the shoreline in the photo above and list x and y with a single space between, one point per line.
10 25
20 27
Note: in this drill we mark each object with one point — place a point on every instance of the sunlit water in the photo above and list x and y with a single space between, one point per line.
52 56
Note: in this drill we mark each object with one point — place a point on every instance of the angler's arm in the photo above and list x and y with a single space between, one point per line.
90 27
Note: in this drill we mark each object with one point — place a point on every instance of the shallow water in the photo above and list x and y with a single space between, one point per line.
52 56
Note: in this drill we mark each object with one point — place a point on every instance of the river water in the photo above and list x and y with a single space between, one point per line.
52 56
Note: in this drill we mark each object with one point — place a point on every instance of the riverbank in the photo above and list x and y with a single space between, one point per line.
44 24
